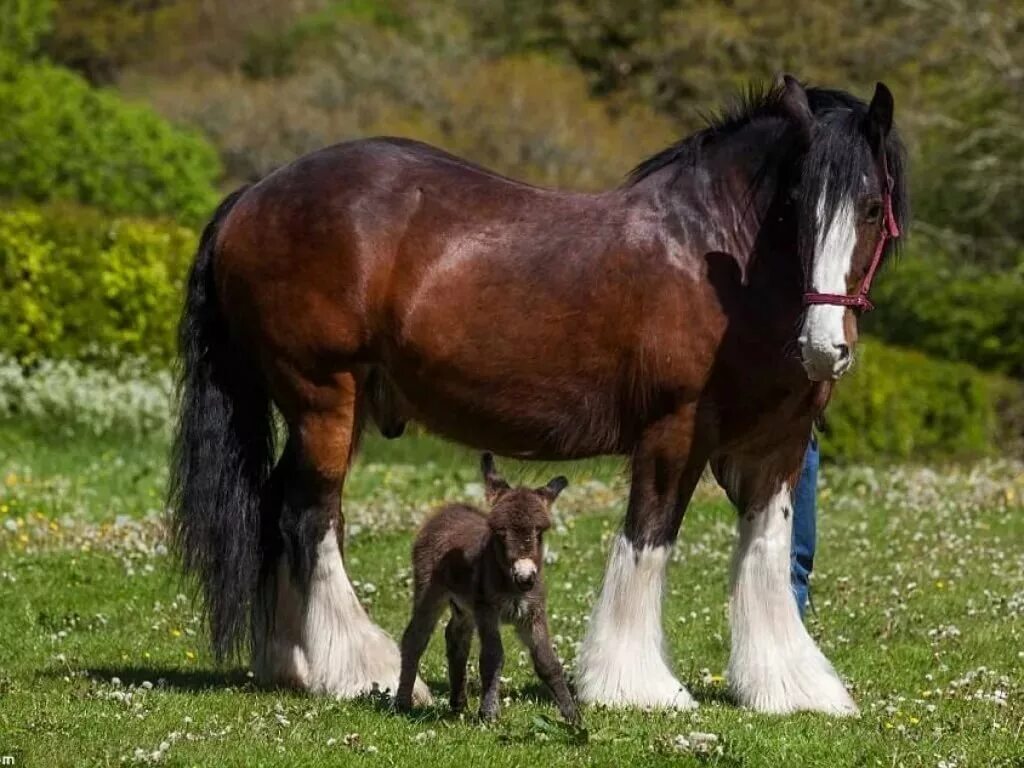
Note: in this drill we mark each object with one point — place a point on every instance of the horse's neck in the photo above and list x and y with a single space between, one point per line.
731 206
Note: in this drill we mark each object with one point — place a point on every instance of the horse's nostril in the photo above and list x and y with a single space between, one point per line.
844 351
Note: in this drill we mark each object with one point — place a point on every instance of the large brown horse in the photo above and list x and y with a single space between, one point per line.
665 320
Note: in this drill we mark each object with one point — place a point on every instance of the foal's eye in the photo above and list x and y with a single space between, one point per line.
874 211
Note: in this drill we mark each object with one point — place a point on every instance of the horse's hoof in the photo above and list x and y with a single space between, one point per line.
808 684
421 695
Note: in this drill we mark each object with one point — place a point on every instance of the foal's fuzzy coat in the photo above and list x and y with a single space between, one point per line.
488 567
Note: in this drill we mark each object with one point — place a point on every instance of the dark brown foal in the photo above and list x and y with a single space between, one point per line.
488 567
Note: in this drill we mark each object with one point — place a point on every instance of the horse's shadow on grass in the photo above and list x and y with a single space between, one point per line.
169 678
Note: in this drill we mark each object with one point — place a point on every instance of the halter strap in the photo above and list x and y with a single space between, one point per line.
890 229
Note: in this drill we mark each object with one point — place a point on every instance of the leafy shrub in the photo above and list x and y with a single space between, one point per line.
62 140
953 312
22 24
76 284
901 404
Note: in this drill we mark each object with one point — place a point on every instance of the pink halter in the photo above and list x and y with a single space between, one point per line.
890 229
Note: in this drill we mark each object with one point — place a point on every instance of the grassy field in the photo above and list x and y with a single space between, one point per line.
919 596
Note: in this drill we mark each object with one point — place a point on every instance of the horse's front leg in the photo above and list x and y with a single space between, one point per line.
622 662
774 666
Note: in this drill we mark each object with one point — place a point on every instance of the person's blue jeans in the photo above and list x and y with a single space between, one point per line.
805 524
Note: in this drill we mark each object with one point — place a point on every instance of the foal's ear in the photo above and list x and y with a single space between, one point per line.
879 119
553 488
793 99
493 482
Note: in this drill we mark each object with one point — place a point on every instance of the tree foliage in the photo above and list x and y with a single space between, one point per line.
23 23
60 139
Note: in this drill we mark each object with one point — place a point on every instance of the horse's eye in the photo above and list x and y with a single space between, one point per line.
874 211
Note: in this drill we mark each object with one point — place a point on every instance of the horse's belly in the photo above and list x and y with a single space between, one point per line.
525 416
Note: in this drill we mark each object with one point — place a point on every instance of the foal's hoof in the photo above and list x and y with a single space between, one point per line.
489 714
571 714
403 704
457 706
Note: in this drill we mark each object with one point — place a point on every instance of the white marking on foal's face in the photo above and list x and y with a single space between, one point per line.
524 568
823 345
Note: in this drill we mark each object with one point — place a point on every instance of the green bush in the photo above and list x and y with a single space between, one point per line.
902 404
60 139
952 312
76 284
22 24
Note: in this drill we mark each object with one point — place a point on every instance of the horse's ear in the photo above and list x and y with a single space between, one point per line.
553 488
494 484
793 99
879 119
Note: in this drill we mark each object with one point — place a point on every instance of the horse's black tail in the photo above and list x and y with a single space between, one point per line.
223 453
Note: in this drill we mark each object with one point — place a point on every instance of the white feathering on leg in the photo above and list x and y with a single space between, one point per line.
622 662
775 665
331 646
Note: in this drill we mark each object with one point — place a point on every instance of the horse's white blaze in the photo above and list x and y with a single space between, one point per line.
775 665
524 568
326 643
622 661
823 334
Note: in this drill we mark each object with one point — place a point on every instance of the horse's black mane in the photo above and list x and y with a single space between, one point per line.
842 112
758 101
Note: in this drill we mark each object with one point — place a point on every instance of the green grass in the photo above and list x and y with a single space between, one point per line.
919 594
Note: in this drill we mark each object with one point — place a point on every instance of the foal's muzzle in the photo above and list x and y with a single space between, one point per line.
524 573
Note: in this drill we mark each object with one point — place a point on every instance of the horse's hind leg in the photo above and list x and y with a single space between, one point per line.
622 662
774 666
321 638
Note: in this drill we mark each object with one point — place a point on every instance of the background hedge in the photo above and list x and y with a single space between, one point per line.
952 311
900 403
76 283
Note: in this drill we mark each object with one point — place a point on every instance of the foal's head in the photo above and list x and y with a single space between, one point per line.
519 517
852 203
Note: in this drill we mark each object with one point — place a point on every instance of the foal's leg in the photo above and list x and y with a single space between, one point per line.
458 637
322 639
492 657
534 635
425 614
774 666
622 661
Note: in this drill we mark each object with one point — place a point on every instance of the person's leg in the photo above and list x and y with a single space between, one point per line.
805 513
